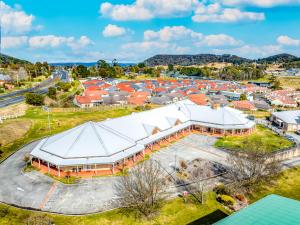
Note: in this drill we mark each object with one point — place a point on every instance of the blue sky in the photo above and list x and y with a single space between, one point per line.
132 30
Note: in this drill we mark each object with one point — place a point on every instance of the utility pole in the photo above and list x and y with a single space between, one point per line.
47 109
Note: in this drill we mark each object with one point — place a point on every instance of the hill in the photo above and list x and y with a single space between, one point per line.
280 58
187 60
5 59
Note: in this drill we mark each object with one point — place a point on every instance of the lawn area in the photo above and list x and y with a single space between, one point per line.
286 184
293 82
59 121
258 113
269 140
174 212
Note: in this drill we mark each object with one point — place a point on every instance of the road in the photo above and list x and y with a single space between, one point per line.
41 88
13 100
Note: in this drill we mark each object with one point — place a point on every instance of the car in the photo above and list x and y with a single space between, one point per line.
298 132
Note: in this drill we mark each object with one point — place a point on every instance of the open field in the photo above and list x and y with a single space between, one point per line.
59 121
12 109
13 130
173 212
293 82
270 140
286 184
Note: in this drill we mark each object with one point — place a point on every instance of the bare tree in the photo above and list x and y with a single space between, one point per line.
143 189
251 165
198 176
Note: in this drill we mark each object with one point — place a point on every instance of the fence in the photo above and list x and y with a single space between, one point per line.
11 116
93 109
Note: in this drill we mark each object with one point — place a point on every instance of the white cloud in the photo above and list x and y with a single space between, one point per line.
52 41
113 31
183 34
172 33
14 20
219 40
147 9
260 3
13 41
214 13
286 40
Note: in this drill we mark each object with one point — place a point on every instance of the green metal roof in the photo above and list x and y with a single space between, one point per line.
271 210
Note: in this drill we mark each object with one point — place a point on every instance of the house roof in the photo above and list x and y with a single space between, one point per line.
114 139
292 117
271 210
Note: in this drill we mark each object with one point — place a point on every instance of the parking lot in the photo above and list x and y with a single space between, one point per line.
38 191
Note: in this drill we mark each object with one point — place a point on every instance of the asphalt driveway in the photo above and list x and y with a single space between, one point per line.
38 191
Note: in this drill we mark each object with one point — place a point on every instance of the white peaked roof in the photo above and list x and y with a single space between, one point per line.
292 117
114 139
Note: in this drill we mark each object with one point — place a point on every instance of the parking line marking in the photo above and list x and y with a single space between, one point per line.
48 195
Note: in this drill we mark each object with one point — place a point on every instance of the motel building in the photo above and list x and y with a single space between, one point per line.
107 147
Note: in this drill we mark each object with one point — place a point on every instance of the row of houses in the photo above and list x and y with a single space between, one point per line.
163 92
289 98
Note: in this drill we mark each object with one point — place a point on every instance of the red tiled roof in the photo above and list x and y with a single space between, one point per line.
199 99
243 105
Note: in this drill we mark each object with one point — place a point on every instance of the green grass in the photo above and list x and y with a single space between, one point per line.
285 184
173 212
59 121
264 136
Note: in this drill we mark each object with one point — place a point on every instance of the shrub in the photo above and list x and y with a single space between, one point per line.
183 164
4 211
221 190
34 99
241 197
226 200
52 92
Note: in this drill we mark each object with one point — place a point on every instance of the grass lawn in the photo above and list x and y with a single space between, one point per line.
59 121
286 184
258 113
174 212
270 140
293 82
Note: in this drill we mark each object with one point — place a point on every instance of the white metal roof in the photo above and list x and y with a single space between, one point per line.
111 140
291 117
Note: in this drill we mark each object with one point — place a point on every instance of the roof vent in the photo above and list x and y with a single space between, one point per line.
215 106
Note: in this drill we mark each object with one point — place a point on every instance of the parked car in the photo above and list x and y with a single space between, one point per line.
298 132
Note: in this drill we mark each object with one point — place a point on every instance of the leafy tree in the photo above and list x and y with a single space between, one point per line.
52 92
171 67
63 86
34 99
243 97
81 71
141 65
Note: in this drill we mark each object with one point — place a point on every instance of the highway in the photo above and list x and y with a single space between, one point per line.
41 88
13 100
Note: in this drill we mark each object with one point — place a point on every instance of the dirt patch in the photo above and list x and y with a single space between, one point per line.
13 130
14 109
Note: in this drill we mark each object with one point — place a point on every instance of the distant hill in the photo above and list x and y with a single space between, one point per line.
280 58
5 59
187 60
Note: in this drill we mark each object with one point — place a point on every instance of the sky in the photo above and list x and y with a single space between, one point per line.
133 30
